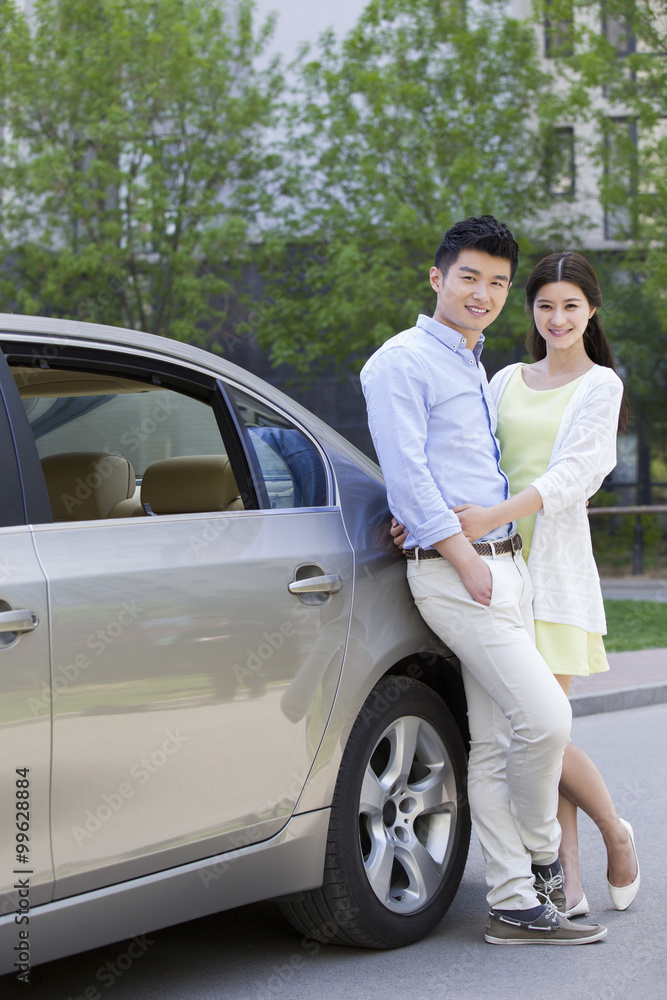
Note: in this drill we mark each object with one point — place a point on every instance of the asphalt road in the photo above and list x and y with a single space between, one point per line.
250 954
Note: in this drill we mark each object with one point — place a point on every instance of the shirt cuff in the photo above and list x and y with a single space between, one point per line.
437 529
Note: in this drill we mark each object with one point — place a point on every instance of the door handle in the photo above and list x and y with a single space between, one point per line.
329 584
18 621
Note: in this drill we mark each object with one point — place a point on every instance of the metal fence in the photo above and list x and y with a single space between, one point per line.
638 538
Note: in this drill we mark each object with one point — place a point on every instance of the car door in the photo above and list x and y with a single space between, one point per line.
191 685
26 869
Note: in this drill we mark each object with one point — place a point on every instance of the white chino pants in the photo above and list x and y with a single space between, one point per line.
518 714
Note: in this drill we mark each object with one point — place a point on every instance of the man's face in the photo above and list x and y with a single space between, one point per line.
472 293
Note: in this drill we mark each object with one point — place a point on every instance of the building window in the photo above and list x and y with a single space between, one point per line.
617 31
620 179
559 162
558 28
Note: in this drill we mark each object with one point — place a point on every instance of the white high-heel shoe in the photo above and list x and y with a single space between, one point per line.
580 909
623 895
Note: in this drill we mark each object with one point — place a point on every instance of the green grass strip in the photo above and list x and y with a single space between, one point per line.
635 625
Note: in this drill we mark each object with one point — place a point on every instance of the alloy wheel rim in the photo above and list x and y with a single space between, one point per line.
407 814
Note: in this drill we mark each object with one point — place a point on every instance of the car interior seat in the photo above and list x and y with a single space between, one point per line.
190 484
87 485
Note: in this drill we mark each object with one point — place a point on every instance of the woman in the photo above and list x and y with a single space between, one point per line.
557 424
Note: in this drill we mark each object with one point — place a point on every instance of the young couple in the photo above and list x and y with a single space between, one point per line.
433 419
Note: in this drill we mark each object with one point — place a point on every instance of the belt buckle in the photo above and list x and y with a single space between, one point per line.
516 541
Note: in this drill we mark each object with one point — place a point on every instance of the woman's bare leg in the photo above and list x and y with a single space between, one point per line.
569 849
567 817
582 787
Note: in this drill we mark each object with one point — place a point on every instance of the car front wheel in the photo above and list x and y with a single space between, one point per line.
400 824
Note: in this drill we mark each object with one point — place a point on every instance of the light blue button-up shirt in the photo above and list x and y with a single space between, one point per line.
433 426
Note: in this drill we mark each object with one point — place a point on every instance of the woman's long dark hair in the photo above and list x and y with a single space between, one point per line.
571 266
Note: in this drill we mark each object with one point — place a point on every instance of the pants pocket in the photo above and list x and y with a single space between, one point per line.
504 610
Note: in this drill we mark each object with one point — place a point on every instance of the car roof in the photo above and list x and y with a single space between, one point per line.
113 336
100 334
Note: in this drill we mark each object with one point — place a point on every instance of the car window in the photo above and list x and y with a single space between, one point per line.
115 446
143 426
289 464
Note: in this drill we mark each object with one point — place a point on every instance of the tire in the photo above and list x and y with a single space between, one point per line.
400 825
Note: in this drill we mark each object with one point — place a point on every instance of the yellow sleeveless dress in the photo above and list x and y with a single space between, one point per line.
528 422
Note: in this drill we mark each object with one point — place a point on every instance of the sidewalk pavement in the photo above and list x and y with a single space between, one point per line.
634 679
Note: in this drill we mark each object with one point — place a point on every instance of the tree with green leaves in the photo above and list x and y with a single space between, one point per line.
134 162
428 111
613 70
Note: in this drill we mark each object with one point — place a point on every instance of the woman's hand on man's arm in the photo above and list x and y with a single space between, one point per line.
476 522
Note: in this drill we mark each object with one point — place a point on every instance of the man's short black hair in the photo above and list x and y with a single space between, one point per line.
478 232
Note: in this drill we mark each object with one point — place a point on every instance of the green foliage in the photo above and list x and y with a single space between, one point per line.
613 541
133 165
635 625
620 54
425 113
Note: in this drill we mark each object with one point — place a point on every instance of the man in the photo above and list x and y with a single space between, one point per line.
433 426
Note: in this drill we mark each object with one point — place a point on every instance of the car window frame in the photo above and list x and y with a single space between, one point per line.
25 497
244 434
181 378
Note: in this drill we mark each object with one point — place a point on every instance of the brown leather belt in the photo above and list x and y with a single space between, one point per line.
514 543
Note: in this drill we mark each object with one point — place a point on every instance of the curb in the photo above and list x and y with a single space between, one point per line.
619 699
635 678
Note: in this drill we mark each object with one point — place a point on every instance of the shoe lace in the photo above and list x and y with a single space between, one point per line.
551 913
551 884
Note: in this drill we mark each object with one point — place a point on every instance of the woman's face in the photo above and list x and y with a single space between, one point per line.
561 312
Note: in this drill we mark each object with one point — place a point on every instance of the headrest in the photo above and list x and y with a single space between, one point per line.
189 484
86 485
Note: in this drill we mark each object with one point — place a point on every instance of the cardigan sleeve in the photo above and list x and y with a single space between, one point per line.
588 450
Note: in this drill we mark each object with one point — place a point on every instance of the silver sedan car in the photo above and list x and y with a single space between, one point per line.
215 687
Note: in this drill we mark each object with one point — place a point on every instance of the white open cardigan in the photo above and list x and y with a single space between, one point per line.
562 567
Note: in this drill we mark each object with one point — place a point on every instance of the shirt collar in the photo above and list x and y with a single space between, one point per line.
450 338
